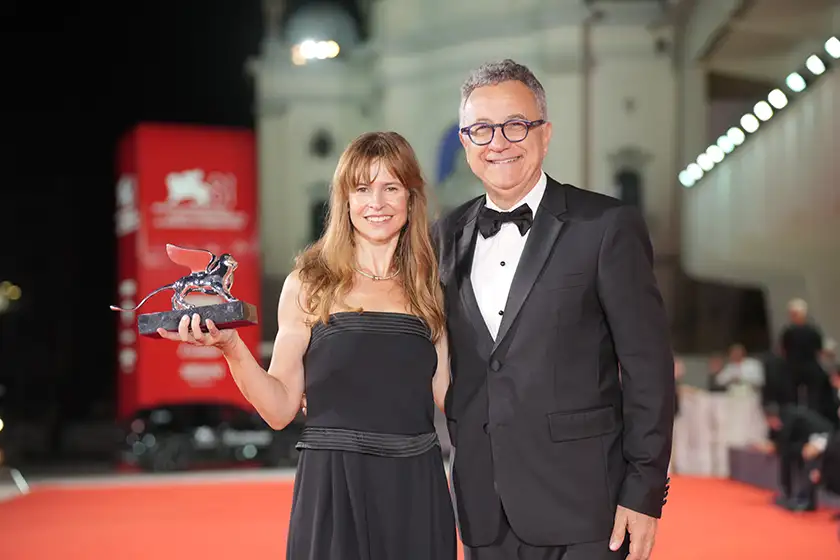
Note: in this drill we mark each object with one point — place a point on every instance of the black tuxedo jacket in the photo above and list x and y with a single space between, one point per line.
799 423
542 422
831 464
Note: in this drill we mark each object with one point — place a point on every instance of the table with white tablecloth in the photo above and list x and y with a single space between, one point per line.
710 423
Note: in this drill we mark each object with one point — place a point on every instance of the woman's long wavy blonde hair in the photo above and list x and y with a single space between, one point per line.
326 267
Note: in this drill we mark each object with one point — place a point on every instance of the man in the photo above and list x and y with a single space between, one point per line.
801 443
802 345
548 289
801 340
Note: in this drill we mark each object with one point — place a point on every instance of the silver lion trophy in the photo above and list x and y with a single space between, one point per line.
210 275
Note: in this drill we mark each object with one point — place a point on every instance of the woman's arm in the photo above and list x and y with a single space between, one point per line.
276 393
440 381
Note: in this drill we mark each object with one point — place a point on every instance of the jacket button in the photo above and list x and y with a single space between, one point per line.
495 365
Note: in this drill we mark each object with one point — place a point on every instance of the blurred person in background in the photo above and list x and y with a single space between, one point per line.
549 290
801 442
801 339
802 346
361 329
743 379
741 372
803 431
794 375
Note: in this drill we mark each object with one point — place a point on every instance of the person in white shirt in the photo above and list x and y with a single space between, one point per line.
743 421
741 370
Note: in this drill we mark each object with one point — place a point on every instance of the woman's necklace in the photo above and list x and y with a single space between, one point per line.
374 276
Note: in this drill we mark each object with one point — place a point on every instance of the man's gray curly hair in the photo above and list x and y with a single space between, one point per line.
494 73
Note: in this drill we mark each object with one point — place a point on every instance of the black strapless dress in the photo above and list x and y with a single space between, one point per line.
370 482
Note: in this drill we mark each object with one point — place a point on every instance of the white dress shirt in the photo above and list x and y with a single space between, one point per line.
495 260
749 372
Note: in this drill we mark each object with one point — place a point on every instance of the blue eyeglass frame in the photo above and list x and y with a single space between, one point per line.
528 126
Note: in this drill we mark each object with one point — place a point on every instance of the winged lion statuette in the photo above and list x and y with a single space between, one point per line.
209 275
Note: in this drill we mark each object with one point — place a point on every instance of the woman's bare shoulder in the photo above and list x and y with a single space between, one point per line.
293 294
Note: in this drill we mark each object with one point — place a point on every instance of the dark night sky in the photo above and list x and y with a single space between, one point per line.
76 76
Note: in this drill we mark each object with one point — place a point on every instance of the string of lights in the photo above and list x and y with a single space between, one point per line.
795 83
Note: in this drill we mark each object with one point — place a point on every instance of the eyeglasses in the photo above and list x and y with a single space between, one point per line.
515 130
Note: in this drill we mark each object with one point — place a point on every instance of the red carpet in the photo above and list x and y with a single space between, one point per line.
704 519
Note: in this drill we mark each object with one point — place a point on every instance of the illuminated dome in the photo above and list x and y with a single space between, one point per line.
321 31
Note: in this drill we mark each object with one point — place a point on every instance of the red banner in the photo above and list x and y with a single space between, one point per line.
194 187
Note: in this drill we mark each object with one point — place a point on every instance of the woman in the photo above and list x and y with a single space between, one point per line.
362 333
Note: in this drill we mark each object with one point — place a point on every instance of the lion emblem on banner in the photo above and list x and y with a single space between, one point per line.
191 187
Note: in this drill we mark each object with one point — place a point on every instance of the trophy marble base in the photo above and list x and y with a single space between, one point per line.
225 315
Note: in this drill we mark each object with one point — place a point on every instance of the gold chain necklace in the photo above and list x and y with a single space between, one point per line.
375 277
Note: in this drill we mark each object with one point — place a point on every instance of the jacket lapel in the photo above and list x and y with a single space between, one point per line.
464 251
544 232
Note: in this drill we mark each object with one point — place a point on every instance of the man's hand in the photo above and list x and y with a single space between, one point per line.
810 451
765 446
641 529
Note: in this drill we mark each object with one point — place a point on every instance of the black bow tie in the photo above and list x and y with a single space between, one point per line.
490 221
